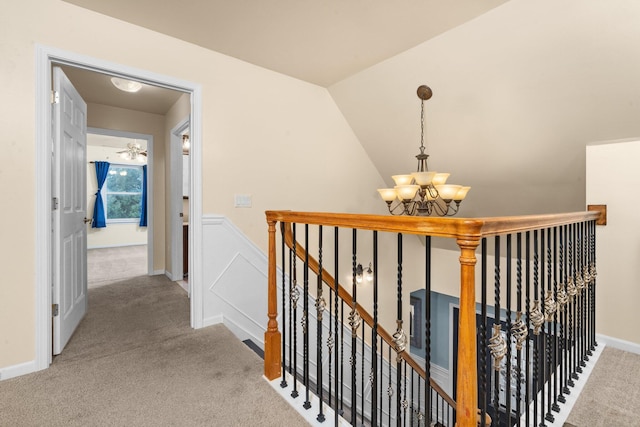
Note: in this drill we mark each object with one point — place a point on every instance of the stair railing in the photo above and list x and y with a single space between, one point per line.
469 234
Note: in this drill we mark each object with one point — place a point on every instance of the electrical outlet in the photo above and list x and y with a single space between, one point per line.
242 201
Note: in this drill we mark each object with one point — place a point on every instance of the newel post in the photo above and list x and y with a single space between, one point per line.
467 383
272 337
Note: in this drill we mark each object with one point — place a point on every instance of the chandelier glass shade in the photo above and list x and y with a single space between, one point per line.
423 192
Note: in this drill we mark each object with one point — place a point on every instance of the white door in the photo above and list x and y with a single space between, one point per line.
70 210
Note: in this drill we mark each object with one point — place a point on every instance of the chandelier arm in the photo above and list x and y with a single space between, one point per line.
440 207
393 210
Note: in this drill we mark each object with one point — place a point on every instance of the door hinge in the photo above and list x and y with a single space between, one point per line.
55 97
55 309
54 203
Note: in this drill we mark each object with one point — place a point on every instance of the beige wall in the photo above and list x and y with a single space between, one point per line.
280 139
107 117
613 179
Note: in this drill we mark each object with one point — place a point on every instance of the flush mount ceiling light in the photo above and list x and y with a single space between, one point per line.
126 85
423 192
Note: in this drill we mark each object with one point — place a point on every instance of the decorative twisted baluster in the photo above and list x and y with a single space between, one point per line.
498 346
549 306
399 338
354 320
537 317
562 298
519 331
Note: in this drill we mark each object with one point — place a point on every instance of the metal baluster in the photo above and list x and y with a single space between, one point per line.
404 393
545 348
482 363
437 418
527 307
415 410
427 328
364 325
320 305
561 299
374 336
579 284
336 325
399 338
381 377
564 325
292 324
507 391
556 368
283 382
549 308
305 325
330 345
536 343
518 329
594 273
354 322
389 388
341 357
496 341
294 295
583 294
572 303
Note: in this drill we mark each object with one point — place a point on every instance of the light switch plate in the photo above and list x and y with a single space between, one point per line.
242 201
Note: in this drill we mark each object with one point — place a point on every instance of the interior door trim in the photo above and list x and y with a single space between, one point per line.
45 57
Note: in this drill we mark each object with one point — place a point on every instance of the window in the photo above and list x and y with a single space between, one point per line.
122 198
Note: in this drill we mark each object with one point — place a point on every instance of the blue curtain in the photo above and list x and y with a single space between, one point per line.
99 221
143 202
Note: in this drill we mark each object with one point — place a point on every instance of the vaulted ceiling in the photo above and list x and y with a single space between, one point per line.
321 42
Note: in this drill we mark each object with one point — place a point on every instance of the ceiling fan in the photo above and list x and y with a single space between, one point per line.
134 151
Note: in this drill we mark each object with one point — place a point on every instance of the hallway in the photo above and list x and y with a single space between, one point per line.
135 361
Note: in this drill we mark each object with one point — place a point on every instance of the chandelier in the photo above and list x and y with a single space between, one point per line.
423 192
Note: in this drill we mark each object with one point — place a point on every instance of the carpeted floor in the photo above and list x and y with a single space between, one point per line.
611 396
135 361
111 265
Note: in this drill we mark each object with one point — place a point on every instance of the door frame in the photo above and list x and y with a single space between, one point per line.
150 172
45 57
175 160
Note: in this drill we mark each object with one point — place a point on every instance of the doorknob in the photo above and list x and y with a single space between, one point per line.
87 220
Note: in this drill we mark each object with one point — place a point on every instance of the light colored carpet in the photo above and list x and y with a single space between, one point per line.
135 361
110 265
611 396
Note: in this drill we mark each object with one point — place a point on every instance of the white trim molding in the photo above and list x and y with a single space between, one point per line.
618 343
45 56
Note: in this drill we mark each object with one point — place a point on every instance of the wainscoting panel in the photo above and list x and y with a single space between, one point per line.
235 293
234 280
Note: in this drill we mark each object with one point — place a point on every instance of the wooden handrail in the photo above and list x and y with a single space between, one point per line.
366 317
456 228
468 233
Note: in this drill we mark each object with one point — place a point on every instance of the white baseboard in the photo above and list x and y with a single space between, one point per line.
619 344
243 334
213 320
17 370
